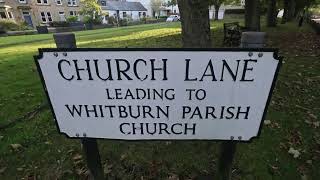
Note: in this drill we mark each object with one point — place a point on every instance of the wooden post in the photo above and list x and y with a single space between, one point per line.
90 146
227 153
228 148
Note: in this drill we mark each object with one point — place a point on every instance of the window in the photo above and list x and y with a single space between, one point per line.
73 13
10 15
43 17
46 17
62 17
23 1
124 14
139 14
59 2
103 3
49 16
72 2
42 1
3 15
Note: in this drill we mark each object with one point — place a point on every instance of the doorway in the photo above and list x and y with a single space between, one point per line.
27 18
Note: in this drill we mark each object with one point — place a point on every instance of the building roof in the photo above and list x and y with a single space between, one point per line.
123 6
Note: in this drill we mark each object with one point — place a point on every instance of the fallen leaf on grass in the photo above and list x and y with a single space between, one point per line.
309 161
266 122
20 169
304 177
2 170
313 116
123 157
294 152
16 147
108 168
77 157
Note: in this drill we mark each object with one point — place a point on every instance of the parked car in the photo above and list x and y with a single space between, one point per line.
173 18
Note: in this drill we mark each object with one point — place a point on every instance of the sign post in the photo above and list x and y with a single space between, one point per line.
89 145
228 149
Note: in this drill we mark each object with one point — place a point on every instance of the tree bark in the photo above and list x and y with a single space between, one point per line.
252 15
292 10
216 12
272 13
195 23
285 11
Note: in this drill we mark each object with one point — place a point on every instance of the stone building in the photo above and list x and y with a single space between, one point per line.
37 12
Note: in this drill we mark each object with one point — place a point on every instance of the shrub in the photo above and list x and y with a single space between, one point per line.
72 19
9 25
123 22
59 24
112 20
2 30
234 11
163 17
144 20
88 20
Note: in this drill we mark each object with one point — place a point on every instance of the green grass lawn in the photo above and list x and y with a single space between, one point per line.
32 148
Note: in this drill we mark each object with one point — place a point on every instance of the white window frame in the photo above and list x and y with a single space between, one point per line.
62 13
104 2
42 2
5 13
74 13
46 16
10 15
58 3
49 16
72 3
22 1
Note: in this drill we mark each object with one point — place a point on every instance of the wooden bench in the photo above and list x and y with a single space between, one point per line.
232 33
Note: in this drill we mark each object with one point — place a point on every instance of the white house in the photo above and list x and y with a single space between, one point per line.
123 9
165 10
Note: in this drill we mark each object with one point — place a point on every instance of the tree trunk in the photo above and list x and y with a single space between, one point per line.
216 12
252 15
292 9
272 13
195 23
285 11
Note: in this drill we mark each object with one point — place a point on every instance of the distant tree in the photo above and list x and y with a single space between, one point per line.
293 7
172 3
91 10
252 15
156 6
272 13
217 4
195 23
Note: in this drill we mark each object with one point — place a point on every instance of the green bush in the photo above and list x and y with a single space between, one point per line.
59 24
97 20
2 30
123 22
112 20
9 25
234 11
72 19
163 17
144 20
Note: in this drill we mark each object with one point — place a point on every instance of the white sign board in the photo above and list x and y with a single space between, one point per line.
144 94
